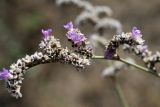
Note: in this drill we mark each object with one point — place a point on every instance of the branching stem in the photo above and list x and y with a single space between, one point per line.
131 64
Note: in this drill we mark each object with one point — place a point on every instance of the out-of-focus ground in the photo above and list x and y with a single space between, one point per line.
59 85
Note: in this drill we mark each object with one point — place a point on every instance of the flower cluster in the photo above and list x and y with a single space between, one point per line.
132 39
151 61
85 51
50 50
97 16
74 35
78 40
142 51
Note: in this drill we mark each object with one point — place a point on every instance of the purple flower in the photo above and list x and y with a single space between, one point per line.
109 53
74 35
47 33
69 26
5 74
136 33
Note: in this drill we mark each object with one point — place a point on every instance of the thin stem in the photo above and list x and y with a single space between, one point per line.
97 57
131 64
121 95
138 66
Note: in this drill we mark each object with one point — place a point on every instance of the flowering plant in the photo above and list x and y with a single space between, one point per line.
50 49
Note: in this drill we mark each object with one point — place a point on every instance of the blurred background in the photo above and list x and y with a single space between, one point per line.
59 85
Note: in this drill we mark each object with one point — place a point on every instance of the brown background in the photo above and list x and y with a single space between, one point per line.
57 85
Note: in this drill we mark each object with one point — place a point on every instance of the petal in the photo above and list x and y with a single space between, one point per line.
4 75
47 33
68 26
136 33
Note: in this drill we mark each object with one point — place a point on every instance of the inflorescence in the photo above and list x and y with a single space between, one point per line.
50 50
133 41
78 40
100 18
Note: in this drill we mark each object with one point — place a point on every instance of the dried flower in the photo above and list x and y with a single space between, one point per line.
151 61
136 33
142 51
144 48
109 54
85 51
74 35
69 26
117 40
46 33
50 50
5 74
